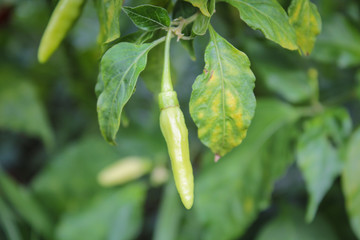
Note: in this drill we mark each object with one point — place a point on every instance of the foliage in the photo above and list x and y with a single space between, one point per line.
286 144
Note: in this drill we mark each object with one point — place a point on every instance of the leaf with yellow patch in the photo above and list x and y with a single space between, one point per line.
305 18
270 18
109 12
222 103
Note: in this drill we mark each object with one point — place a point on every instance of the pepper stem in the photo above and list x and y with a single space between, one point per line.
166 84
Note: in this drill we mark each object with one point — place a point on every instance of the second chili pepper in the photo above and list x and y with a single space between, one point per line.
61 20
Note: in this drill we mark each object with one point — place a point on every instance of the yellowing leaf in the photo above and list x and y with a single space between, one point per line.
222 103
269 17
109 12
305 18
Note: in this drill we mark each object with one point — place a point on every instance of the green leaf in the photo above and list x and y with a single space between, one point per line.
290 83
191 229
202 5
25 204
183 9
357 87
138 37
233 191
201 23
8 222
269 17
109 12
306 20
99 87
169 218
70 179
339 125
117 215
152 74
338 43
189 47
290 225
120 68
21 109
351 181
319 160
222 103
150 145
148 17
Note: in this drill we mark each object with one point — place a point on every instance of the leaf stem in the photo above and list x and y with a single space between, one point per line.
185 21
314 84
166 84
310 111
181 23
190 19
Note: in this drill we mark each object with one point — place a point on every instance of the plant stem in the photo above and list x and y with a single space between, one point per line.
185 21
166 84
190 19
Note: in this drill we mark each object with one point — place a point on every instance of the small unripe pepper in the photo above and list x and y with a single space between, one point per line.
124 171
61 20
175 132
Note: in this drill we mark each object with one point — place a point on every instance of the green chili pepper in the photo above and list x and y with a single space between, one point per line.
174 130
62 19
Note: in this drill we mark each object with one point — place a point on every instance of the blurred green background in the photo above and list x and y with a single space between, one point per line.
51 149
